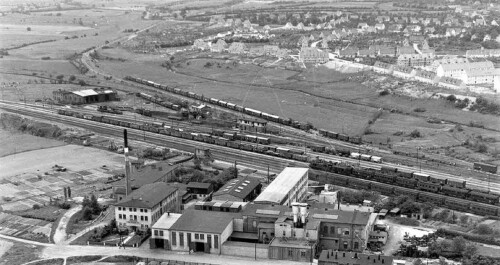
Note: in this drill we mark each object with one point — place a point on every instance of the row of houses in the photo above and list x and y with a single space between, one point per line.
240 48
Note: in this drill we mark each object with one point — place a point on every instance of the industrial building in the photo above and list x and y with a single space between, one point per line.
160 237
239 190
289 186
86 96
254 125
144 206
200 190
201 231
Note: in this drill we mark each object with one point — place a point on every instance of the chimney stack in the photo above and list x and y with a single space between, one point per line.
303 213
128 189
295 211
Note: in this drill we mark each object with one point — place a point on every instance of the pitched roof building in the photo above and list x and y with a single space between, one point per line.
313 55
289 186
240 189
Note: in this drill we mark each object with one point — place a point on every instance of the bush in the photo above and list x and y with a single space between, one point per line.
36 206
420 110
64 205
406 221
415 134
451 98
483 229
384 92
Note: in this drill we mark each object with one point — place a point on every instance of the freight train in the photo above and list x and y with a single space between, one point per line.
159 101
386 175
406 179
246 110
395 190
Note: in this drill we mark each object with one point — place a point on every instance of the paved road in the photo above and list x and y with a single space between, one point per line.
60 234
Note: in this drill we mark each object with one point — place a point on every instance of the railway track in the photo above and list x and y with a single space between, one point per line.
269 160
245 158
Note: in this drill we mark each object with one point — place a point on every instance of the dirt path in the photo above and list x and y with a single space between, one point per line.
60 234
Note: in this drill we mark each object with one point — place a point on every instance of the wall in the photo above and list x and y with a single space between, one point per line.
233 248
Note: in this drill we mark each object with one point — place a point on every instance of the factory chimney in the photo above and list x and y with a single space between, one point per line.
303 213
128 190
295 211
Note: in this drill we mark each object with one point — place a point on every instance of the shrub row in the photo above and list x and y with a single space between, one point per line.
443 232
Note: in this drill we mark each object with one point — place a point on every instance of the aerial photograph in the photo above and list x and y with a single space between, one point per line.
286 132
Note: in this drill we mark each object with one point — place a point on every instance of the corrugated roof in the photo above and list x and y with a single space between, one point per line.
203 221
281 186
148 195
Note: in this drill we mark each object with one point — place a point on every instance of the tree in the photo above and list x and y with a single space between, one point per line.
36 206
459 244
484 229
442 261
81 82
418 262
94 205
470 250
464 219
28 28
72 78
69 192
87 214
415 134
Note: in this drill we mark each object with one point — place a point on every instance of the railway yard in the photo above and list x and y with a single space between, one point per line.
97 84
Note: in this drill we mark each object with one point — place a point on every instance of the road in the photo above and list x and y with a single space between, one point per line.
60 234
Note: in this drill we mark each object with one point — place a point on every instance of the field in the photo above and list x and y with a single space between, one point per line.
13 143
20 253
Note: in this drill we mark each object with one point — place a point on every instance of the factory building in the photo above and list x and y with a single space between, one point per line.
239 190
86 96
144 206
289 186
331 257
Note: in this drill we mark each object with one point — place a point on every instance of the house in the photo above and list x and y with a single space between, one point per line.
219 46
413 28
482 53
239 190
405 50
313 55
282 53
256 51
331 257
362 26
201 44
366 53
380 26
450 82
144 206
201 231
394 28
237 47
271 50
251 124
247 24
415 60
426 77
383 68
429 30
348 52
289 186
469 72
404 72
487 37
479 22
85 96
200 190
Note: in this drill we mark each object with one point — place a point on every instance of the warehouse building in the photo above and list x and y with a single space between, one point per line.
160 237
239 190
289 186
86 96
201 231
331 257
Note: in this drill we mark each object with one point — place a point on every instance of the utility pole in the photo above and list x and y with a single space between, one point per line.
418 160
267 173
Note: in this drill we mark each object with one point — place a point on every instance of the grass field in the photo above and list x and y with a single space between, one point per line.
20 253
13 143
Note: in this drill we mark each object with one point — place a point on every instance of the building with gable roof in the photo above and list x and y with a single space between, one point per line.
478 72
289 186
426 77
331 257
383 68
313 55
237 47
144 206
404 72
415 60
85 96
239 190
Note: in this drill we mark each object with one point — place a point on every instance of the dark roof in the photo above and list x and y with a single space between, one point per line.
265 210
146 175
199 185
203 221
148 195
239 188
342 257
338 216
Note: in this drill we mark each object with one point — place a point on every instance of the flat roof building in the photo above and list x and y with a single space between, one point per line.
289 186
330 257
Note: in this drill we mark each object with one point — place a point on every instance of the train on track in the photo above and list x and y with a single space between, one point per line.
246 110
409 180
419 195
387 175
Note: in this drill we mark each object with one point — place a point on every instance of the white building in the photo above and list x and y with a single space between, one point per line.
288 187
201 231
160 236
481 72
144 206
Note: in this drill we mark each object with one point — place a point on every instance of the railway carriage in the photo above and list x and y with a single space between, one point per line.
456 183
484 209
456 204
355 139
343 137
421 177
407 183
253 112
437 180
430 197
428 186
454 192
484 197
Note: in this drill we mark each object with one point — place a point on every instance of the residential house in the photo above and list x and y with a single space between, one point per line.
219 46
200 190
450 82
487 37
201 44
415 60
429 30
247 24
426 77
405 50
380 26
256 51
239 190
494 23
348 52
271 50
479 22
237 47
468 24
383 68
469 72
395 28
404 72
313 55
144 206
482 53
413 28
366 53
362 26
